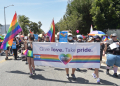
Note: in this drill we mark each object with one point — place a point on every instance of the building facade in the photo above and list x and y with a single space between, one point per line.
2 29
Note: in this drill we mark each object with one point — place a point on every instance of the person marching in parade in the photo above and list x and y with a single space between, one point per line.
29 54
113 55
96 72
15 47
70 40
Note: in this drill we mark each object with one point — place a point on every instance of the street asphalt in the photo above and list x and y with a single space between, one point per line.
16 73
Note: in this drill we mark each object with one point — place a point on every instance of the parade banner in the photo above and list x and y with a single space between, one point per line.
63 36
67 55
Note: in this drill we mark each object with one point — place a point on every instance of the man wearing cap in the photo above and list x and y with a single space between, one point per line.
113 54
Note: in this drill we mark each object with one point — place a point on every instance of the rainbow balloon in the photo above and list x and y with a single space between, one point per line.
13 30
51 32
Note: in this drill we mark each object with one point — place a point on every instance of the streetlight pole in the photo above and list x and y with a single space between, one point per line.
5 18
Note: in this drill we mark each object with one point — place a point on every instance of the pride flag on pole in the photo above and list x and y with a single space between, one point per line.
51 32
91 29
13 30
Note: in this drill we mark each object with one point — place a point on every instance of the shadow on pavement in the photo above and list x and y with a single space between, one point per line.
59 69
81 70
78 80
17 71
36 69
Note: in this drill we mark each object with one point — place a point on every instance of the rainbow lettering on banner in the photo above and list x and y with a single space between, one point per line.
13 30
62 35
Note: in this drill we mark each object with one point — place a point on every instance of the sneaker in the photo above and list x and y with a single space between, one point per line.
77 69
94 75
98 81
107 71
6 58
73 76
115 75
89 68
26 62
31 75
67 76
33 71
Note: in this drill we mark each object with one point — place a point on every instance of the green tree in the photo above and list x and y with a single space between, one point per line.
24 23
77 16
106 14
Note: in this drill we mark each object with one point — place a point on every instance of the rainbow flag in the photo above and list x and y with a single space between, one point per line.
62 35
25 52
13 30
105 38
76 59
48 58
51 32
86 59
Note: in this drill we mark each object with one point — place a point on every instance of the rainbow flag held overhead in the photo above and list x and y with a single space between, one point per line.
13 30
51 32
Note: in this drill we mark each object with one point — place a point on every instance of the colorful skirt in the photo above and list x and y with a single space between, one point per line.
28 53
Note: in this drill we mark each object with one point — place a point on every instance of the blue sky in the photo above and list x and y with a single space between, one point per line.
36 10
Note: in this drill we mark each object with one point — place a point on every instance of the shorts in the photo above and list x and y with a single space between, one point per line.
113 60
7 48
30 53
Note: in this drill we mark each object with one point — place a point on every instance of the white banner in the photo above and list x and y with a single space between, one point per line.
67 55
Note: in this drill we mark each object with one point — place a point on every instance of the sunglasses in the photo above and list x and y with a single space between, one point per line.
113 36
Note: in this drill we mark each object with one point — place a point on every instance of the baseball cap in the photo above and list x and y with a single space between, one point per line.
114 34
69 34
90 38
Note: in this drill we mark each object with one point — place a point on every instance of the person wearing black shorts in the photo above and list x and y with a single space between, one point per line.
6 52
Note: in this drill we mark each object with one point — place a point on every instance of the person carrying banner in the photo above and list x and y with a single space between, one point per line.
113 54
15 47
96 72
70 40
47 39
30 55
